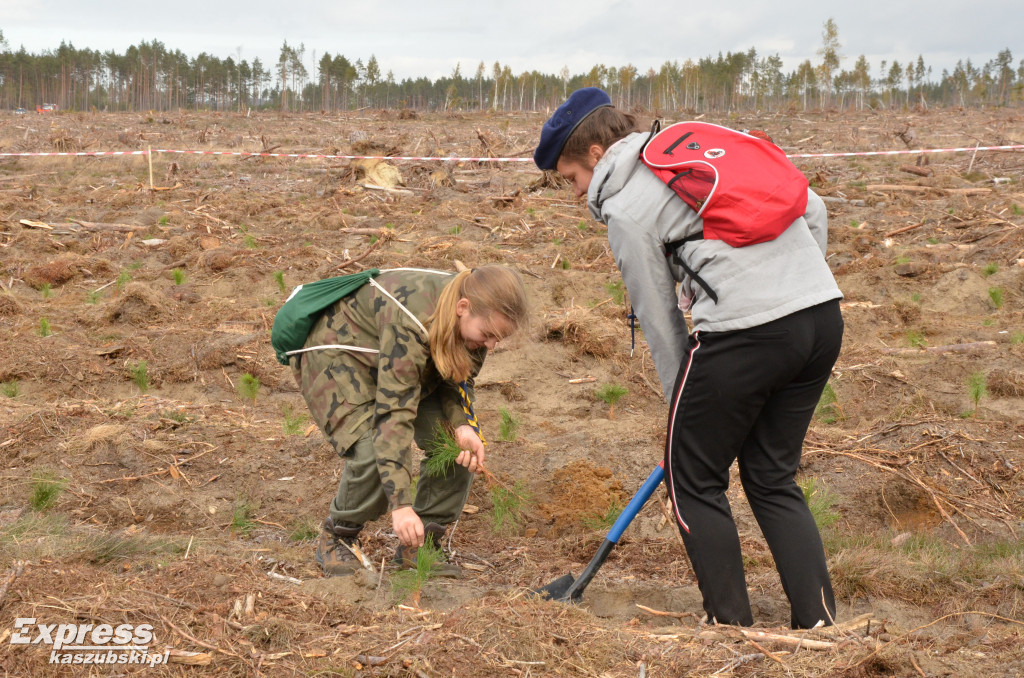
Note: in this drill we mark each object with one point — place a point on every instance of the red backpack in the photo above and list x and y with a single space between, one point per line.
742 185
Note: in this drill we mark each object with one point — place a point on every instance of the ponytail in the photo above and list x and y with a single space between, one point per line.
490 289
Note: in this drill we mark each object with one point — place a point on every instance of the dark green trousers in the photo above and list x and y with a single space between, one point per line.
361 498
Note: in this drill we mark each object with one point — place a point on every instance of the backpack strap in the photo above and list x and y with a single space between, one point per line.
401 306
672 250
655 128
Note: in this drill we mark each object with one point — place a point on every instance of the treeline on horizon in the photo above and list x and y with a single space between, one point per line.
150 76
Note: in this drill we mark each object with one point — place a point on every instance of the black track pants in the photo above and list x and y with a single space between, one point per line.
750 395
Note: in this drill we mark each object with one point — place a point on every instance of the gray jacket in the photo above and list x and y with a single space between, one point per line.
754 284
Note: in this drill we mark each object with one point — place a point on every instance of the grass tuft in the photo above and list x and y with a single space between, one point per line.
9 388
46 490
821 503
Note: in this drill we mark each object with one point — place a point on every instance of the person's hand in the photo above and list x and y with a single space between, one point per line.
472 454
407 526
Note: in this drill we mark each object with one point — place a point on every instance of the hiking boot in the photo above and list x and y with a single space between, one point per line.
332 554
405 557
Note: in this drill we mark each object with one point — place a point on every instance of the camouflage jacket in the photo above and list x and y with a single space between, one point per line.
349 391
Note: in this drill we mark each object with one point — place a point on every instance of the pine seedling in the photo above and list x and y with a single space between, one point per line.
611 394
606 519
509 508
305 530
9 388
617 291
977 386
990 268
996 295
410 582
44 328
92 297
140 374
249 387
179 276
123 280
241 518
46 489
821 503
442 451
279 279
292 424
508 428
46 289
828 410
916 339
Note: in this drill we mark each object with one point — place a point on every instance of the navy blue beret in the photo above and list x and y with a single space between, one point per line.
564 122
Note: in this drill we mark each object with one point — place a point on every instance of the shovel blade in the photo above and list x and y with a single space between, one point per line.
557 589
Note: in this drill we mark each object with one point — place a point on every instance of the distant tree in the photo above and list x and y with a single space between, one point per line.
861 79
284 62
807 79
480 86
1003 67
496 74
830 58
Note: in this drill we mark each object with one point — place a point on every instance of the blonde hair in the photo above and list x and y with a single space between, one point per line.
490 289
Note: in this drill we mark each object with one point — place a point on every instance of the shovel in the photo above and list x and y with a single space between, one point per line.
571 588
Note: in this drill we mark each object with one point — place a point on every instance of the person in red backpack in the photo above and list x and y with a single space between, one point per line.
744 383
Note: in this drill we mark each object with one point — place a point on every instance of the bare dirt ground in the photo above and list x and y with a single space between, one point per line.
177 501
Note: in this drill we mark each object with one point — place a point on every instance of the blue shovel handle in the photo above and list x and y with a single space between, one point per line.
636 503
566 588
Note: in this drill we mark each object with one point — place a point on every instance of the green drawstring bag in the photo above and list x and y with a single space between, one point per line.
304 306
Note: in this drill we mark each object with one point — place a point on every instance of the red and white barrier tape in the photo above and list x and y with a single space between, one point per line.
245 154
921 150
343 157
8 155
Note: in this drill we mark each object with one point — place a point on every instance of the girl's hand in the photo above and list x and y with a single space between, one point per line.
407 526
472 454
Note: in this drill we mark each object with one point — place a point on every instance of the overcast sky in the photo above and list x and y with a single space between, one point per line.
424 38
